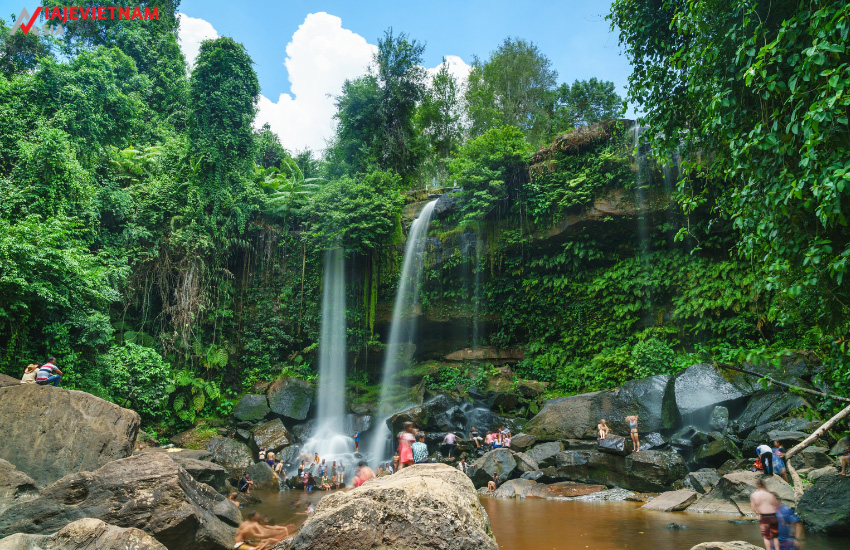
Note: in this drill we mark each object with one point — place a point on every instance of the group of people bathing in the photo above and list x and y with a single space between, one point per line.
319 468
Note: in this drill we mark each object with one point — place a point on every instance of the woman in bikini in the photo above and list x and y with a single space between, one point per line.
603 429
633 429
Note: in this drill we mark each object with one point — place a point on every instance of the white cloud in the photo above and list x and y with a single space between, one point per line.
319 58
192 32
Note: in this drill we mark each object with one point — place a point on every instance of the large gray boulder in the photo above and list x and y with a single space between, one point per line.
825 508
498 461
717 452
233 455
761 433
812 457
704 385
272 435
515 488
521 442
702 481
85 534
251 407
49 432
6 381
263 476
732 493
768 406
204 471
291 397
672 501
842 447
576 416
15 486
423 507
438 414
147 491
544 453
647 471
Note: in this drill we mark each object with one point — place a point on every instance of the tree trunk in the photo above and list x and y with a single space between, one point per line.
795 477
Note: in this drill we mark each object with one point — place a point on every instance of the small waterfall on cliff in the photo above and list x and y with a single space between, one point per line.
641 212
400 346
327 438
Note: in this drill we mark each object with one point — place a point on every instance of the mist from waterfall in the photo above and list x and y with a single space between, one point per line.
400 345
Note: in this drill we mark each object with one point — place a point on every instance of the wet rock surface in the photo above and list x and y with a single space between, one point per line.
702 481
291 397
263 476
15 486
703 385
717 452
615 444
85 534
672 501
233 455
767 407
147 491
49 432
521 442
647 471
544 453
812 457
271 435
498 461
424 507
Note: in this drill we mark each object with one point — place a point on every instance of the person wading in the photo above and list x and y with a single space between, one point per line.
765 505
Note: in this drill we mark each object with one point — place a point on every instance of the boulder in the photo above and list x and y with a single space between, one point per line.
768 406
544 453
719 418
233 455
497 461
525 463
759 434
291 397
301 432
484 419
194 438
787 438
702 481
446 204
704 385
648 471
15 486
576 416
615 444
6 381
85 534
174 452
815 475
438 414
521 442
564 489
812 457
735 465
251 407
423 507
271 436
148 491
841 448
716 453
49 432
672 501
533 476
825 507
734 545
204 471
652 440
732 493
263 476
515 488
290 455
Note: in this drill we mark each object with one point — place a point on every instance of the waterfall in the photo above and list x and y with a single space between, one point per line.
399 348
641 211
327 437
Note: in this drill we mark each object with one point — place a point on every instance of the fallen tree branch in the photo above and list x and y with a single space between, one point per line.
784 384
795 477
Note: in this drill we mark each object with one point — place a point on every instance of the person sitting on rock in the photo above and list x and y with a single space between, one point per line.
234 498
29 374
488 440
325 484
462 466
380 471
603 429
506 432
45 374
475 436
255 534
497 440
633 430
845 464
420 449
245 484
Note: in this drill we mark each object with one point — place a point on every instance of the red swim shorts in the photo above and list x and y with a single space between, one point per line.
769 524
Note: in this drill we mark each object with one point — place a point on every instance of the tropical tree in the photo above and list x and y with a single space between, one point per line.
585 102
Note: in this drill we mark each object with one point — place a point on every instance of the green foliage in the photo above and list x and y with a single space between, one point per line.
137 378
585 102
491 169
513 87
191 394
358 213
652 356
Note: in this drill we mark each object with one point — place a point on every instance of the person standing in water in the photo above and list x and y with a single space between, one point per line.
765 505
633 429
356 442
405 440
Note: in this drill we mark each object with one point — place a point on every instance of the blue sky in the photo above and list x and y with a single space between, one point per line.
304 50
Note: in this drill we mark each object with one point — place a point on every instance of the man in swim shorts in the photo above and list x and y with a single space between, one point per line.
765 505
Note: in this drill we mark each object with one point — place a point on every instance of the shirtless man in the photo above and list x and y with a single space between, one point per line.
765 504
633 429
255 531
364 474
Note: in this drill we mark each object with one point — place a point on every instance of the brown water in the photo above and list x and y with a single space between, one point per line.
525 524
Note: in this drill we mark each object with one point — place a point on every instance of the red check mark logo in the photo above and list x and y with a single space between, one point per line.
26 28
